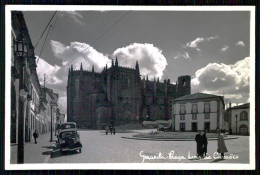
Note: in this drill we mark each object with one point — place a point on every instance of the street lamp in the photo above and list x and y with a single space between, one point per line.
51 104
20 52
236 124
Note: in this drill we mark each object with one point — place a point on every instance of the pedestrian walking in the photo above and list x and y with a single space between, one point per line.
205 143
110 128
198 140
114 130
221 144
35 136
107 130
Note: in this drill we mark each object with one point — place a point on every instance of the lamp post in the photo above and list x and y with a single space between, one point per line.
20 51
236 124
51 122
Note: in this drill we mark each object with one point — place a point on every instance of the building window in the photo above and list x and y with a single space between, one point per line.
194 108
206 107
194 116
182 111
207 115
125 82
182 117
243 115
183 82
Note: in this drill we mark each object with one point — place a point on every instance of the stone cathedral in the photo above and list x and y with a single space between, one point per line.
118 95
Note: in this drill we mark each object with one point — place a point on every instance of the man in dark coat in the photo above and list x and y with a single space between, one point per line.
204 143
198 140
35 136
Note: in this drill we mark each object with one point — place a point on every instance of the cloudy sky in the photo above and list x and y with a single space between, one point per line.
212 47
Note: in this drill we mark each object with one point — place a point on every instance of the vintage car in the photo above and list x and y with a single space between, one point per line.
65 126
69 138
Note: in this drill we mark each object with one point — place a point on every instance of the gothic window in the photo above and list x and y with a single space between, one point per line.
125 83
243 115
183 82
77 88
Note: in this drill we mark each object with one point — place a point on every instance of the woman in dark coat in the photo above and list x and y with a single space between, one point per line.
221 144
204 143
198 140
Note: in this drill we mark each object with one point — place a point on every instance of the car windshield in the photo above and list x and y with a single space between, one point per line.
68 126
71 134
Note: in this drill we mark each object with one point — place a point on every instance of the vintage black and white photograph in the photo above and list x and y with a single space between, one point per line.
147 87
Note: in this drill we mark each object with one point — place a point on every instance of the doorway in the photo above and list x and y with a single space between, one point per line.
182 126
207 126
194 127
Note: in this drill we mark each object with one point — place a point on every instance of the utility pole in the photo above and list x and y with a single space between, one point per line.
44 80
51 124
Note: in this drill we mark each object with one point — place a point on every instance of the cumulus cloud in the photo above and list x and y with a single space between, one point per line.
44 67
216 78
151 60
224 48
76 16
240 43
77 53
193 46
197 41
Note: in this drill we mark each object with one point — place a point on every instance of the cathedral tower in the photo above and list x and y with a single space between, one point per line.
183 86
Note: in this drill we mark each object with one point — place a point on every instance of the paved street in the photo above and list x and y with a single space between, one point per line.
101 148
35 153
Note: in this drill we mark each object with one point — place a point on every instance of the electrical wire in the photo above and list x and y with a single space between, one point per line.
54 24
100 36
47 36
110 27
44 42
44 30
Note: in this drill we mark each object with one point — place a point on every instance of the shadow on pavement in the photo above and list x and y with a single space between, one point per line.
57 153
47 153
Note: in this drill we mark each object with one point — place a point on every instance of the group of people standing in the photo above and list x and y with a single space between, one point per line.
202 144
111 128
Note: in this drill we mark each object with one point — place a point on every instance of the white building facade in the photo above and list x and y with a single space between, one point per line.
198 111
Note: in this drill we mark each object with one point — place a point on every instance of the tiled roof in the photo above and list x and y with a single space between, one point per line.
195 96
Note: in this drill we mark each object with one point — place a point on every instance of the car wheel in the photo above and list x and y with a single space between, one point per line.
80 150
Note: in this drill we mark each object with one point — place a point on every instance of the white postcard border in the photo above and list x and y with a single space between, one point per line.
139 166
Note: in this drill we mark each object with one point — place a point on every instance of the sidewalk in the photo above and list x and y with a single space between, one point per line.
177 139
35 153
